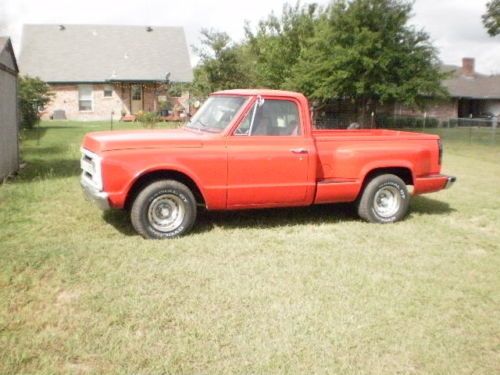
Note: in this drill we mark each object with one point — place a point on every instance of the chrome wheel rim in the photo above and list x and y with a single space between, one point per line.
387 201
166 212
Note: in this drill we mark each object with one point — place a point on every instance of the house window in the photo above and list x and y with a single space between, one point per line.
108 91
85 98
136 92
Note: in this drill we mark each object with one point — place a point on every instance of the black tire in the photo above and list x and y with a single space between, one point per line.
385 199
163 209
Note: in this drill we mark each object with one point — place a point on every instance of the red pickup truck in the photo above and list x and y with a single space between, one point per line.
253 149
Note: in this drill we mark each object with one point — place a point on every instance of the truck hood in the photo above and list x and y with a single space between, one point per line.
98 142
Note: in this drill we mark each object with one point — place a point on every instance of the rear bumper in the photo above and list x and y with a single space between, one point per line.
449 183
429 184
99 198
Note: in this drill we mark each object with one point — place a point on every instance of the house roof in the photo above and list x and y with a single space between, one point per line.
476 86
100 53
7 56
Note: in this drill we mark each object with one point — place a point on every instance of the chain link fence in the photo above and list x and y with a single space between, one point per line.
484 131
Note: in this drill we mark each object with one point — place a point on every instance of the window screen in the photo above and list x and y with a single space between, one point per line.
108 91
85 97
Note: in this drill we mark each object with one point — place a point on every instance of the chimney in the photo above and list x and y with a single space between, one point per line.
468 66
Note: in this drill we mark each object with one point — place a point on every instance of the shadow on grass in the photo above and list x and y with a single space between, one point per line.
429 206
44 168
277 217
120 220
48 150
33 134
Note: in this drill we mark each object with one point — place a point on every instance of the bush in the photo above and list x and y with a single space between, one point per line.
34 95
405 122
148 119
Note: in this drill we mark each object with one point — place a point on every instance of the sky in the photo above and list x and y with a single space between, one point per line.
454 25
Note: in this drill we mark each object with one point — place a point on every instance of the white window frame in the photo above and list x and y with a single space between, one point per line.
90 98
107 88
141 91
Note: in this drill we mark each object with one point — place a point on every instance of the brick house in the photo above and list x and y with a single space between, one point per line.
472 94
99 71
9 114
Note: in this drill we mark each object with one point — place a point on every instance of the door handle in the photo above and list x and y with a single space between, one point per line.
298 151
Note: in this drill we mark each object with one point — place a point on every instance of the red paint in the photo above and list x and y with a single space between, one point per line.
235 172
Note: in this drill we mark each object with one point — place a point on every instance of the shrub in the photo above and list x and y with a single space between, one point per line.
405 122
148 119
34 95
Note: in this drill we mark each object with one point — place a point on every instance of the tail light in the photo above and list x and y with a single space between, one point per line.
440 146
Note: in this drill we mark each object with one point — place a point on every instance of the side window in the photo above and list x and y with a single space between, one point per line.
85 98
272 118
108 91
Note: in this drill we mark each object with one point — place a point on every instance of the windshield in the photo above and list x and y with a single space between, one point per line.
216 113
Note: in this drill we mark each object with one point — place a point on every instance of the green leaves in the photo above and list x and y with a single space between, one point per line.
277 43
223 64
491 19
364 50
361 50
34 95
148 119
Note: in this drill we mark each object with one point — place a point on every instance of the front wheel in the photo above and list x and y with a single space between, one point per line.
163 209
385 199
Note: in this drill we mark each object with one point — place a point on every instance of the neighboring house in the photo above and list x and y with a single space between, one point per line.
471 94
9 114
97 70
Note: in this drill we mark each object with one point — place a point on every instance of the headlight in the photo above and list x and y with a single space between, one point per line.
90 164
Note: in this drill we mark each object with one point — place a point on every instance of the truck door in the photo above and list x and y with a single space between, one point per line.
268 157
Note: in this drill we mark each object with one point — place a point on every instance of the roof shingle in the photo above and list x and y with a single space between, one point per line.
99 53
478 86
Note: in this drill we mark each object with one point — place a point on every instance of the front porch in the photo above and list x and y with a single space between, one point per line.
117 100
150 97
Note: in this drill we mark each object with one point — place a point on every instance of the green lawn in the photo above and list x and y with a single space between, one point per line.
296 291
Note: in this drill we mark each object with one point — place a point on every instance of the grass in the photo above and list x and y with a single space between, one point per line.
308 290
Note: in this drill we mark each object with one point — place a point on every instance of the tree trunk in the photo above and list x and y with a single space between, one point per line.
361 105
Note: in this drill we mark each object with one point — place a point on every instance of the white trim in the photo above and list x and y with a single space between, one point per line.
105 88
86 86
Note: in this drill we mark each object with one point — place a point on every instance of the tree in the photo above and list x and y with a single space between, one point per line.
364 50
491 19
221 66
34 95
278 41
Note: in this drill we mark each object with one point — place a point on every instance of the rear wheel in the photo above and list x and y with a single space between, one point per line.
385 199
163 209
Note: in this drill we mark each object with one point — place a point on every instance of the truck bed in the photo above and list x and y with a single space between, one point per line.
368 135
344 157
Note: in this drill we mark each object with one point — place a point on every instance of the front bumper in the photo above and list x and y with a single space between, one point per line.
99 198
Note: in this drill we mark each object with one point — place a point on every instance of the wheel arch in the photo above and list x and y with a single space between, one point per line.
403 172
150 176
